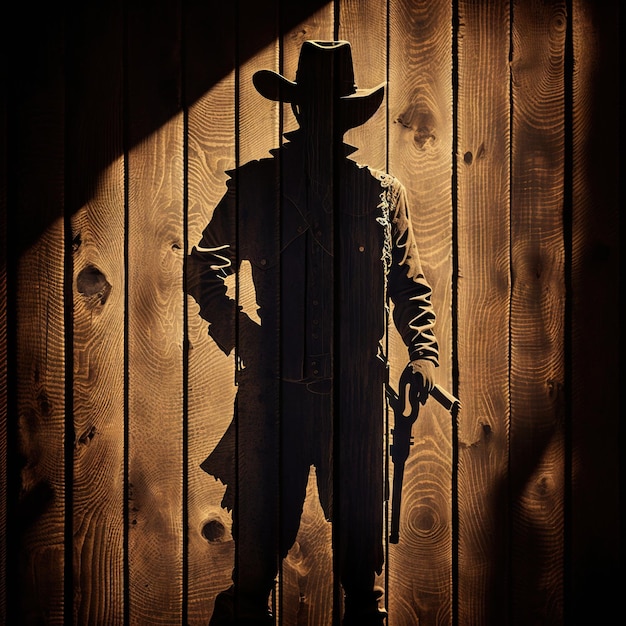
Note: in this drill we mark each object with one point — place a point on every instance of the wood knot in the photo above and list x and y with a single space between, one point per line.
421 121
424 135
214 531
86 437
45 406
558 23
469 156
93 285
425 522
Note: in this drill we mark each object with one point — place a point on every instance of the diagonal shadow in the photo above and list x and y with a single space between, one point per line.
69 74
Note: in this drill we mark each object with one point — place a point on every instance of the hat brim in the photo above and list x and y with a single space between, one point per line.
355 109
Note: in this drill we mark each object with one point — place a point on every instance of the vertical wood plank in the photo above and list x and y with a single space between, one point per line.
257 132
420 146
209 60
306 576
537 312
257 117
41 403
155 315
245 131
95 197
595 387
319 24
483 310
364 25
37 530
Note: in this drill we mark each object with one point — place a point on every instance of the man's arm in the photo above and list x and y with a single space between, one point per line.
413 313
209 263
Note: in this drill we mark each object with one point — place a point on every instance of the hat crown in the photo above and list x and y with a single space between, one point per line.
323 60
324 79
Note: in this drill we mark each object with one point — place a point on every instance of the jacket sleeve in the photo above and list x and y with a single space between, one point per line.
413 313
209 263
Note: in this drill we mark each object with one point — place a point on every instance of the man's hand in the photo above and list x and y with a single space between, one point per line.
419 376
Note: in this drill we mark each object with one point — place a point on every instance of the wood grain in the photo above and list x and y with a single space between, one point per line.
483 161
364 25
537 312
41 401
595 386
257 117
38 532
211 390
155 317
420 140
98 316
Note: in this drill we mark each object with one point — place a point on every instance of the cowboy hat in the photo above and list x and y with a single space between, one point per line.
323 65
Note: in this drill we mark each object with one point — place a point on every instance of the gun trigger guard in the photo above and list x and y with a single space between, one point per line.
406 397
410 407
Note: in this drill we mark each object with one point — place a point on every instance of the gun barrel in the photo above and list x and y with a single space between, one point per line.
396 502
445 398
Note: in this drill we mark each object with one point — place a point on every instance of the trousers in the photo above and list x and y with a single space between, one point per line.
280 429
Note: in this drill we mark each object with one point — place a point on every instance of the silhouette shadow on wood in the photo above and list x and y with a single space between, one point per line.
74 64
327 245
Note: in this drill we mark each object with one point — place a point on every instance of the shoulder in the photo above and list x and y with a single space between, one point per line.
252 182
256 168
392 190
388 181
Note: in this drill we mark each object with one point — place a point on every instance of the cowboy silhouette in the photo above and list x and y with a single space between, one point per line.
330 243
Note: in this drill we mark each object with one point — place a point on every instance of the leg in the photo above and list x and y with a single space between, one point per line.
272 472
253 486
360 501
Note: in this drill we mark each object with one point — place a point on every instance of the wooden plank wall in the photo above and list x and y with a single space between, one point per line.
484 292
120 121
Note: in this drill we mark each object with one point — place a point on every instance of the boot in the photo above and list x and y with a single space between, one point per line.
363 609
248 613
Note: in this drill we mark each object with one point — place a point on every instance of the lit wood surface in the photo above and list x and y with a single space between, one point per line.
483 161
98 288
154 317
210 386
420 145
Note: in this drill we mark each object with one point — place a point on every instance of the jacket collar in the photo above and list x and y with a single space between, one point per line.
294 184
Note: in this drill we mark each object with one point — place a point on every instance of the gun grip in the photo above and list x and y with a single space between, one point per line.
410 408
